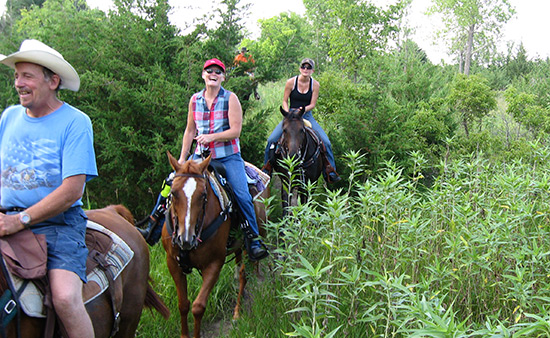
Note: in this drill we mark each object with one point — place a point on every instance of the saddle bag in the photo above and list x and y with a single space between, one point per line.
25 253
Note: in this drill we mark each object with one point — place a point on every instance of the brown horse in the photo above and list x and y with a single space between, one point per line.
136 291
300 142
194 211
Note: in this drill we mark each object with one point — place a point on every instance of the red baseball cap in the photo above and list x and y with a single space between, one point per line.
214 62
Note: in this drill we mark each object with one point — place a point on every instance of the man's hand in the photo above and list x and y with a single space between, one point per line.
10 224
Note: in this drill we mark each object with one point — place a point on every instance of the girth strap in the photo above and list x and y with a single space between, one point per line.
115 288
215 225
12 304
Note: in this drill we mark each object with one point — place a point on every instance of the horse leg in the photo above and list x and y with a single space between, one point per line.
210 276
242 283
180 280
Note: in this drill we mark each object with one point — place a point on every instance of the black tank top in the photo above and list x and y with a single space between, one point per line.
298 99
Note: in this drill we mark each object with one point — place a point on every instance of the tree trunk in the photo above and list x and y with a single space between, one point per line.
469 49
465 125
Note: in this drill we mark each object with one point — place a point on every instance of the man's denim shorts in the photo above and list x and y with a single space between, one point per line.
65 237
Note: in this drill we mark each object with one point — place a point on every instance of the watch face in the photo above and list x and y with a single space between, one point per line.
25 218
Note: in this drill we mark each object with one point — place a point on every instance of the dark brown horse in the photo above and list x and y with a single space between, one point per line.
301 142
136 291
194 211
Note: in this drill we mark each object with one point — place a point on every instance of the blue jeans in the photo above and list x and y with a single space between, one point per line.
236 176
278 131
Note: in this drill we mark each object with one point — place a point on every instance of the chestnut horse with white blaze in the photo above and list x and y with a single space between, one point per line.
194 211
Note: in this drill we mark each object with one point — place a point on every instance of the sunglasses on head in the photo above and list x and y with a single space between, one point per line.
212 70
306 67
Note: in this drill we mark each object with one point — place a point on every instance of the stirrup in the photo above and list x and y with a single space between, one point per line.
329 169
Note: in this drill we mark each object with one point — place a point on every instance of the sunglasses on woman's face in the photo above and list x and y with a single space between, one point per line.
306 67
212 70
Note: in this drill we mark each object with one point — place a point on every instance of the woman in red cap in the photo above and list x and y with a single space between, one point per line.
214 120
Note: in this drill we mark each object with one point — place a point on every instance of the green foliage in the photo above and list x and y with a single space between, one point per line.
253 139
243 85
472 97
284 41
14 7
395 100
222 39
349 30
472 27
525 110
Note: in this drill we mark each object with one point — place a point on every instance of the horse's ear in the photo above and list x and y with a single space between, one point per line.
284 112
204 164
302 111
173 162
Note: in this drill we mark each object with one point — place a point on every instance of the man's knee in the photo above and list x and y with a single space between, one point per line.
67 304
66 288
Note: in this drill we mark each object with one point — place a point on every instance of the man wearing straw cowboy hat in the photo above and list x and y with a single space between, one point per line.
46 157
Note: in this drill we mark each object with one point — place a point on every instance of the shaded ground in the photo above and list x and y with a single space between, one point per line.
223 327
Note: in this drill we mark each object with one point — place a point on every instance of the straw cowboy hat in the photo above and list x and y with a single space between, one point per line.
34 51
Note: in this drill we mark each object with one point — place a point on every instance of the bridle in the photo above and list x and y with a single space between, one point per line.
303 163
173 217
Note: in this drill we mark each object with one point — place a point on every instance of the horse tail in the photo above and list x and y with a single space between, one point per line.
124 212
153 301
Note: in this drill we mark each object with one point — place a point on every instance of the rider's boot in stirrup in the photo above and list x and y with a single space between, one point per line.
267 168
329 172
155 221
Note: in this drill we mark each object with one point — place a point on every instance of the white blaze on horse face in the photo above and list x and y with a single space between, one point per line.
188 190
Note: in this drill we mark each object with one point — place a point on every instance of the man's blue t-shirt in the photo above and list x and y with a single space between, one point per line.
36 154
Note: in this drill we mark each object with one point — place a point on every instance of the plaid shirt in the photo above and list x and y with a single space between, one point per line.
214 120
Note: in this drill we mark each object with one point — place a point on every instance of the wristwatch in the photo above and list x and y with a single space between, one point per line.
25 219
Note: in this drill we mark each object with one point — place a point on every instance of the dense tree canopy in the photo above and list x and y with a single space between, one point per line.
377 89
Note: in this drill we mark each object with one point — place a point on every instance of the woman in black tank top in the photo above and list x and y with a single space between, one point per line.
303 91
298 99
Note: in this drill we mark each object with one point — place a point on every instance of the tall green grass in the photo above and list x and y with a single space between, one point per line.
383 258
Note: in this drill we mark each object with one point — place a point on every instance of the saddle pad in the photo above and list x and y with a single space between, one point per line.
219 191
259 178
118 257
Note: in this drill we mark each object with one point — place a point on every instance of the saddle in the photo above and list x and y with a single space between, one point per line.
108 255
257 183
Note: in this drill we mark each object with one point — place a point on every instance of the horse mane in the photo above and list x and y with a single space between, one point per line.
191 167
294 114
